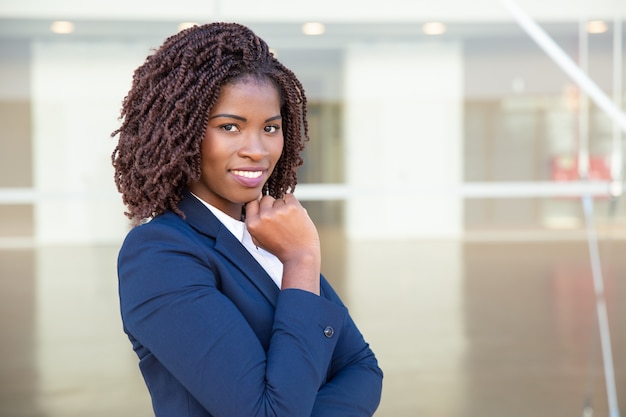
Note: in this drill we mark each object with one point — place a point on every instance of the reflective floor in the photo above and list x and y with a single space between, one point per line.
460 328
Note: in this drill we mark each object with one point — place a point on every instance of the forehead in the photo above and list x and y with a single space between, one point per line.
250 96
257 80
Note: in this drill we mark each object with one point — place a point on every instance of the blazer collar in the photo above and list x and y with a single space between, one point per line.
198 216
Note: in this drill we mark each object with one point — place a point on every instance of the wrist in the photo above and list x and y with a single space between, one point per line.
302 273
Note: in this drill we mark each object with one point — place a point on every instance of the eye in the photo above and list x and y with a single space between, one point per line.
229 128
272 129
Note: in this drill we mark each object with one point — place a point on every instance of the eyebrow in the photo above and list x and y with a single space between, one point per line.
243 119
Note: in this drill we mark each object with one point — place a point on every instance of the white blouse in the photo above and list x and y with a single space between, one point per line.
269 262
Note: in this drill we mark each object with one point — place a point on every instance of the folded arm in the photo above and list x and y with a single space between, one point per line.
355 382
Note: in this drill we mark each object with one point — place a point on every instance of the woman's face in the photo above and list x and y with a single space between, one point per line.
242 143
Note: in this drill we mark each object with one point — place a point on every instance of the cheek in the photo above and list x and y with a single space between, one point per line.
212 150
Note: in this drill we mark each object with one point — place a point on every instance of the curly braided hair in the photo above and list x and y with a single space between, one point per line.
165 114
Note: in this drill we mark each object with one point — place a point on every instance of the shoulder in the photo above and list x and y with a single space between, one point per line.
167 232
165 225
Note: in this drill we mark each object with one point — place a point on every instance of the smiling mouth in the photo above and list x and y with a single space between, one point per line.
248 174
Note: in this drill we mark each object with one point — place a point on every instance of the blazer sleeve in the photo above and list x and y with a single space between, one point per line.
172 308
354 385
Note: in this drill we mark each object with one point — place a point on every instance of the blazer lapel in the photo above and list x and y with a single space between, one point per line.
203 220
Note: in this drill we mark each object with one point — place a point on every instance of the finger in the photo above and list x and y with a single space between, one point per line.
291 200
267 202
252 209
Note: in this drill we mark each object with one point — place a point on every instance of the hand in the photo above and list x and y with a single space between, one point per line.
284 228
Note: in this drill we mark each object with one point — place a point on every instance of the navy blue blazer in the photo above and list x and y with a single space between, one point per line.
216 337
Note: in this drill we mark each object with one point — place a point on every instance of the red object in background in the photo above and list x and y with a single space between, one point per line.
565 168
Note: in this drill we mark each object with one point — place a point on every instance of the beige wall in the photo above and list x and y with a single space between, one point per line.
16 220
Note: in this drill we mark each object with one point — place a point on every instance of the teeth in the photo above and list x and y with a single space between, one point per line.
248 174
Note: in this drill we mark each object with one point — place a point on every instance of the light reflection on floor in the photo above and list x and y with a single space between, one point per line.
460 329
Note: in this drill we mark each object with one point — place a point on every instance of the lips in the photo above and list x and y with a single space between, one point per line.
248 178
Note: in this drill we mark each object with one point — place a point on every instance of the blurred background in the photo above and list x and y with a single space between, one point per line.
465 171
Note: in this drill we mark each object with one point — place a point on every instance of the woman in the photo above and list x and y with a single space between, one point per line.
220 286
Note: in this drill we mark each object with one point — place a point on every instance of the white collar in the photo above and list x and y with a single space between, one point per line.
236 227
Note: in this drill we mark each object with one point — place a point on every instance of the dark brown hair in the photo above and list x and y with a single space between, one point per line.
165 114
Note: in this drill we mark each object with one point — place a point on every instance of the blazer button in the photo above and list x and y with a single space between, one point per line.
329 332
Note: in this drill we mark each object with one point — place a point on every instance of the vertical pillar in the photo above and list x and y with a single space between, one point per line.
403 131
77 92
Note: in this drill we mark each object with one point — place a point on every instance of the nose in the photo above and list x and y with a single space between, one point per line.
253 147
